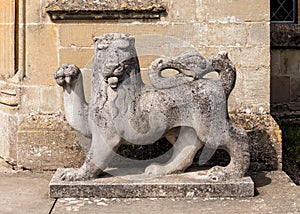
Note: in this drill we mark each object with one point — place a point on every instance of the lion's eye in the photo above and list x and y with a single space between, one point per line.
118 70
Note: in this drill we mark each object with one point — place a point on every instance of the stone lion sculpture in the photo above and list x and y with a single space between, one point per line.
123 109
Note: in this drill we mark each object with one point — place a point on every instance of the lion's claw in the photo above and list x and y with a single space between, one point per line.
155 169
66 74
73 175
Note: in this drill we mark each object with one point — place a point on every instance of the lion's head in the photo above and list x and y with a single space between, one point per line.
116 58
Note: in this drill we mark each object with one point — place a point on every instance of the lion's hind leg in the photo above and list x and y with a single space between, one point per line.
235 142
184 150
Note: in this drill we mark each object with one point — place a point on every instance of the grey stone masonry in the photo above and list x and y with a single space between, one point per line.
187 185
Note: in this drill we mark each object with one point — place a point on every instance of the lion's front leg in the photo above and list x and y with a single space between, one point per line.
85 172
98 157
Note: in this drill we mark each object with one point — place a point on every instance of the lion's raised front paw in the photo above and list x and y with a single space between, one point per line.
66 74
73 175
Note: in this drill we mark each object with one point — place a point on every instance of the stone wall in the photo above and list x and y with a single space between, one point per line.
34 127
285 78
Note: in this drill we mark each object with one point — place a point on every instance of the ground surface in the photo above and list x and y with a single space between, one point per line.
26 192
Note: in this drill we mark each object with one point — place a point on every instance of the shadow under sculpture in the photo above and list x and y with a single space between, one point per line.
188 109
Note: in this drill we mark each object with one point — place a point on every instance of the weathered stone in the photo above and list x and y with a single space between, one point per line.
187 185
280 89
285 35
285 99
8 129
102 9
45 43
256 11
226 34
43 142
82 56
87 5
265 140
7 64
256 31
39 61
35 7
182 10
187 109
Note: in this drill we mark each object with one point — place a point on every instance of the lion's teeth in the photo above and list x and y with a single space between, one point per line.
68 80
113 82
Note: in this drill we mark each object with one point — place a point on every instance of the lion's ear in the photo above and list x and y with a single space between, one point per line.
132 41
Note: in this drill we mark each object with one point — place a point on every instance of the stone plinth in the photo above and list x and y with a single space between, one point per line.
186 185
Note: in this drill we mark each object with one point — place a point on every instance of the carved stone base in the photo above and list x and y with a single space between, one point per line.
187 185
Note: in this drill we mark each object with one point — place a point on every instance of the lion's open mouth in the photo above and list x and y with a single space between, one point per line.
113 74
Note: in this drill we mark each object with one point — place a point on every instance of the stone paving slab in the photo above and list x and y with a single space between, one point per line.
25 192
191 184
275 193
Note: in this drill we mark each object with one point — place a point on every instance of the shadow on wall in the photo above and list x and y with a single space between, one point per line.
291 150
265 140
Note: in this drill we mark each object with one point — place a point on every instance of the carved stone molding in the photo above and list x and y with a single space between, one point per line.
9 95
103 9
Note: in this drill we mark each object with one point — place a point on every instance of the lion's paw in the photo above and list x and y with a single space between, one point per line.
73 175
66 74
156 170
218 173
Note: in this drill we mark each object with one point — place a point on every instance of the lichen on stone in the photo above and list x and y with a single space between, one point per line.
106 5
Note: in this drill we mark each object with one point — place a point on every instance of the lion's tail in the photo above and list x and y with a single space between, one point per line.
227 72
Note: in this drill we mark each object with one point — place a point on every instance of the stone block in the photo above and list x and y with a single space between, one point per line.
280 89
135 29
256 87
265 140
79 35
294 106
164 36
259 34
227 34
7 55
187 185
41 57
30 99
182 10
40 99
81 57
295 89
255 57
283 35
146 60
251 90
51 100
8 130
290 61
233 11
33 15
7 11
275 62
46 142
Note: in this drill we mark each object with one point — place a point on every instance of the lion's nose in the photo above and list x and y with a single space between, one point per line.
111 66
